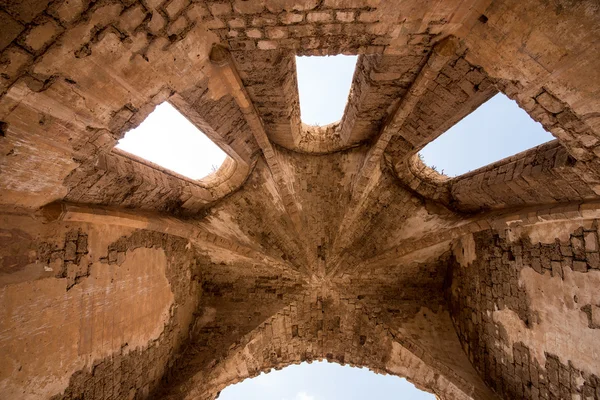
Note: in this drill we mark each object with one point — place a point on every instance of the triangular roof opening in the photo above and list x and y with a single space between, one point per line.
497 129
168 139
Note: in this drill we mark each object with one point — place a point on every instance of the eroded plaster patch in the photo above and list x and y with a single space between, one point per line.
420 223
548 232
464 250
49 333
562 328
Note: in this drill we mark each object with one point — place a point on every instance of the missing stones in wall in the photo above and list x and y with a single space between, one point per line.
502 276
69 260
313 251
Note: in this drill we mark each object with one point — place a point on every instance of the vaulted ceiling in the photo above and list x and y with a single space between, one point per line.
342 220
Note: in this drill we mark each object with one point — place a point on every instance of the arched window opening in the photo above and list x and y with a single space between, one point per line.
323 87
167 138
323 381
497 129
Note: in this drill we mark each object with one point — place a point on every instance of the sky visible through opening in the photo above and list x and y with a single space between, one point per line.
323 87
324 381
499 128
169 139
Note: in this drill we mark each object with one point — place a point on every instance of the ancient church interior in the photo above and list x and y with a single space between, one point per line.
121 279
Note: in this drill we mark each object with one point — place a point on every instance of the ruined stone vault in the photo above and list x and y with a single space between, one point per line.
122 280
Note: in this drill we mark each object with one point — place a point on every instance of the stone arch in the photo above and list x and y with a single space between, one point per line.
74 78
324 328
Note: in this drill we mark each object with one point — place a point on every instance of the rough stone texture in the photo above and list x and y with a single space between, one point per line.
309 243
101 310
523 308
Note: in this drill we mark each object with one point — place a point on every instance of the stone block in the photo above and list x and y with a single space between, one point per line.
276 32
236 23
25 10
264 20
197 12
69 10
11 28
351 3
12 63
277 6
580 266
175 7
42 35
248 6
319 16
254 33
369 16
267 45
550 103
156 23
132 18
344 16
299 31
291 18
591 241
177 26
218 9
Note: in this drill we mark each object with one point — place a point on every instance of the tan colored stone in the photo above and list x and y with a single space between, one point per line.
42 35
318 16
550 103
122 279
10 29
344 16
218 9
291 18
175 7
254 33
248 6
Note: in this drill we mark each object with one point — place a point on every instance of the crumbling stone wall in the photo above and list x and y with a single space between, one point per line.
523 302
281 254
91 311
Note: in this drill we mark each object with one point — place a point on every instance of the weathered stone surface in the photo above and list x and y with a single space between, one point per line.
332 243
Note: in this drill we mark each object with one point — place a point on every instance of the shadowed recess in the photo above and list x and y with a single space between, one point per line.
167 138
497 129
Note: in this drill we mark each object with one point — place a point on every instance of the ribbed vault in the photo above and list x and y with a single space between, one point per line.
309 243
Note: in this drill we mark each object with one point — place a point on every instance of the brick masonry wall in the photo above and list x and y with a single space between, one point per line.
379 82
458 89
109 178
308 27
134 375
270 79
123 337
544 174
519 273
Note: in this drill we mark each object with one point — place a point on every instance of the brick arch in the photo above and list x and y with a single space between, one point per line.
323 329
74 78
